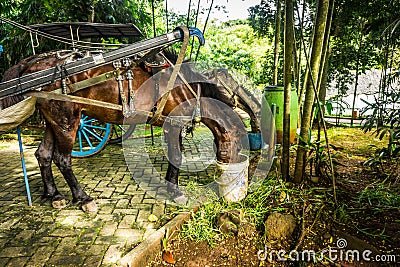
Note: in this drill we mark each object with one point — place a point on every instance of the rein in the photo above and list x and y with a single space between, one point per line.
174 74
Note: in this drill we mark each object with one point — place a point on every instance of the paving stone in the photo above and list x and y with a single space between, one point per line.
134 235
14 252
87 238
93 261
142 219
108 229
65 260
41 255
113 254
66 246
43 236
122 203
158 209
149 200
120 188
127 221
61 232
3 261
104 217
17 262
132 211
106 209
47 241
107 240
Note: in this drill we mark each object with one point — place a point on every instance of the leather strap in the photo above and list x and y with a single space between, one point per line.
72 88
172 79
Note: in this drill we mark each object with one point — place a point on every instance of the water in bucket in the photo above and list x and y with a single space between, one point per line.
233 179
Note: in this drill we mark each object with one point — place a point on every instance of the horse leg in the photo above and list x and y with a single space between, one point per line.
62 159
174 142
44 156
64 119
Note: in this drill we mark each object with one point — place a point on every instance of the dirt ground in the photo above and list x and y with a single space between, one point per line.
366 217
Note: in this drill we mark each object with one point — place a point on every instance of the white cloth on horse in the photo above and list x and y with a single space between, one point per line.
13 116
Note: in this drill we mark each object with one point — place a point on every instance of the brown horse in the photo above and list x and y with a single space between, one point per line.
63 117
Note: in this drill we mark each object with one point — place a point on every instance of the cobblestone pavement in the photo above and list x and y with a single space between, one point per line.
43 236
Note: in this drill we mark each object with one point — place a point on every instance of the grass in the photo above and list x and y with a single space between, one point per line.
143 130
353 141
378 194
309 203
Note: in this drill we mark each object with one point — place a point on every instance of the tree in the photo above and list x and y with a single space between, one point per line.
265 19
288 56
17 43
234 45
276 40
311 83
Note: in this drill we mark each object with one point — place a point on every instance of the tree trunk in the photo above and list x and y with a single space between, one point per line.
276 41
288 56
360 47
92 5
323 79
300 91
311 82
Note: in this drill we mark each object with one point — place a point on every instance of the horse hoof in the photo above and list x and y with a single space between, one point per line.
59 204
89 206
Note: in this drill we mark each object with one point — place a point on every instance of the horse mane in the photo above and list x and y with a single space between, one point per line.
171 54
209 88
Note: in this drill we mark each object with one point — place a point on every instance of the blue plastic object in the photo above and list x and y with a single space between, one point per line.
21 152
255 141
193 31
91 138
1 48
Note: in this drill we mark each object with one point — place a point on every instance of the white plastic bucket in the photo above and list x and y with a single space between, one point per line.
233 179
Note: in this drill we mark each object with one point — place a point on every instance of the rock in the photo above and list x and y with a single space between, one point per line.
247 231
327 235
279 226
228 222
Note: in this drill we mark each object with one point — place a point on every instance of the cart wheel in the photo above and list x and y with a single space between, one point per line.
121 132
91 137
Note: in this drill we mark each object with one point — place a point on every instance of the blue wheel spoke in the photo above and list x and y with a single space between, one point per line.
87 138
96 127
94 134
89 121
80 140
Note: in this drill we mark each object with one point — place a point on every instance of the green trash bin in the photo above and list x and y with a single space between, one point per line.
274 95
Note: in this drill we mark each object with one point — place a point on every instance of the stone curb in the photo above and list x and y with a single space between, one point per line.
146 251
